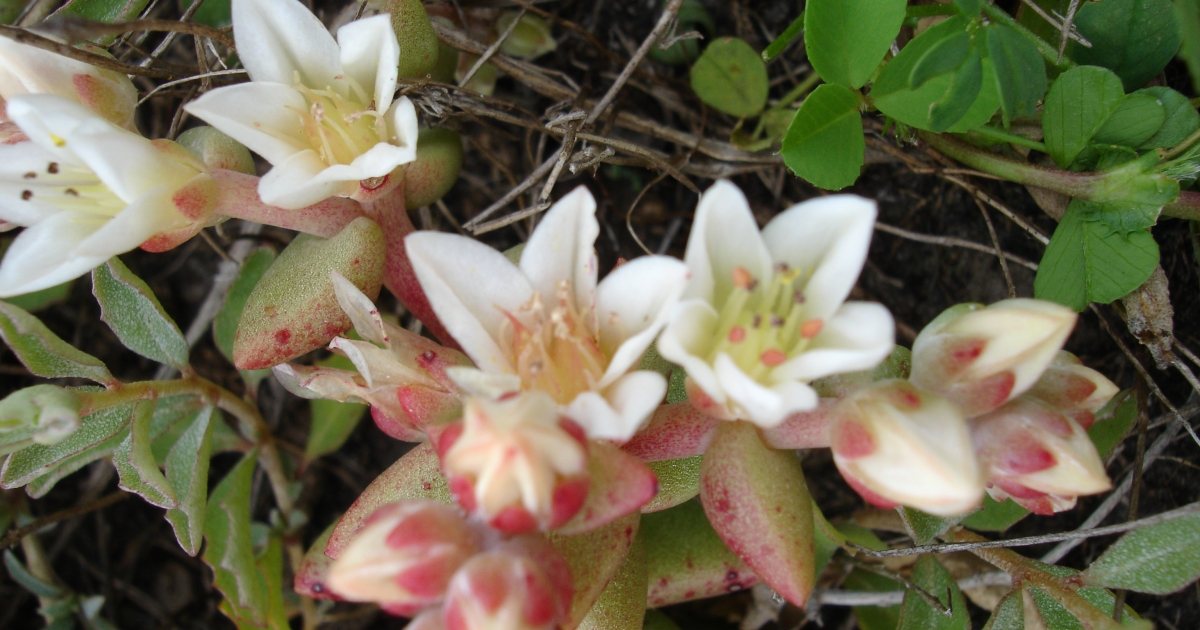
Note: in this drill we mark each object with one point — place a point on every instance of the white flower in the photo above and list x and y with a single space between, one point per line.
546 325
87 190
763 314
29 70
321 112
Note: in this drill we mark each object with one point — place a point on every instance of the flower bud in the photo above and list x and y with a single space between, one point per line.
898 445
47 413
1038 456
404 557
981 358
517 462
530 38
27 69
1073 389
523 584
432 175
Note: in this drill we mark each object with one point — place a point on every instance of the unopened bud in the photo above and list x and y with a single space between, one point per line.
433 173
217 150
980 358
1073 389
898 445
404 557
1038 456
47 413
517 462
523 584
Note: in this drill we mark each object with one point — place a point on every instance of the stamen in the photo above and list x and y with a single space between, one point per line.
773 357
811 328
756 322
71 192
743 280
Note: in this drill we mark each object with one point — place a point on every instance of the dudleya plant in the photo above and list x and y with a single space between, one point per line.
321 111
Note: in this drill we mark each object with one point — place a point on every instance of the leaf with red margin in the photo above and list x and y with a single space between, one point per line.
594 559
314 569
686 560
622 605
678 481
619 485
676 430
416 475
758 503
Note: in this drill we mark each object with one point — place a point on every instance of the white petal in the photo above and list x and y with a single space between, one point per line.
296 182
687 339
632 306
128 163
562 248
42 255
148 215
470 287
362 311
48 120
378 366
14 210
633 397
489 385
402 124
263 116
858 337
827 237
276 39
761 405
378 161
724 236
370 56
25 69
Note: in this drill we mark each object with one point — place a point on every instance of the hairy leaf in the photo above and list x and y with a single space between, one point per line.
1158 559
130 309
187 470
43 353
918 614
37 460
135 463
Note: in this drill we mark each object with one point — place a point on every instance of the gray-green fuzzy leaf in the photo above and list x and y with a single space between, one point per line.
43 352
187 471
1158 559
135 464
37 460
130 309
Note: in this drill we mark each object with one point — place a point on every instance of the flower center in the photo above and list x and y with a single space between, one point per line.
72 188
551 348
338 128
763 324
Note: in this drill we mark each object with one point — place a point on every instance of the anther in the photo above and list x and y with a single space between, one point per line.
756 322
52 168
781 267
776 322
743 280
26 195
30 175
737 334
772 357
811 328
798 296
71 192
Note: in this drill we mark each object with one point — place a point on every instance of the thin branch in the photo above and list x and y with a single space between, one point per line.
491 50
206 75
1012 288
821 597
30 38
1121 528
14 536
80 30
950 241
533 178
665 21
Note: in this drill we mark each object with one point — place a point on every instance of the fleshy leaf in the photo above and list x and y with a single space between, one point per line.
594 558
622 604
314 569
30 463
226 322
619 484
432 175
292 310
130 309
414 33
758 502
1159 559
43 352
918 614
187 470
674 431
686 560
678 481
416 475
134 461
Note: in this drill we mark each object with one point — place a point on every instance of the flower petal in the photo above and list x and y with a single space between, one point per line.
370 56
687 339
362 311
48 120
856 338
127 163
724 236
632 306
42 256
263 116
402 124
378 161
148 215
562 248
482 384
278 39
765 406
828 236
470 287
297 182
633 397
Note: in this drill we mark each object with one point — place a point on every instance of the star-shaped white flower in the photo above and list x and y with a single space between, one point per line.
26 69
546 324
764 313
87 190
320 111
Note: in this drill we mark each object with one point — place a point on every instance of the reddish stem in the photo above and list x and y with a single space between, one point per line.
237 197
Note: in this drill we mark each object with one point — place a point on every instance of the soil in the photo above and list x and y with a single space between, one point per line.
127 553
